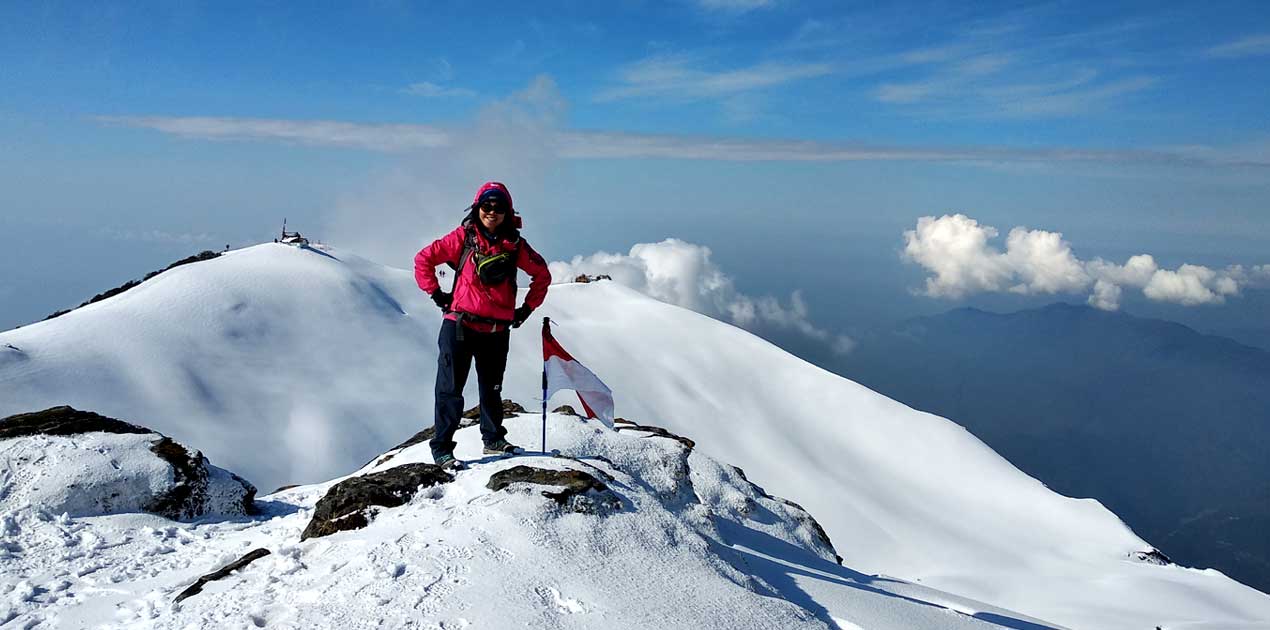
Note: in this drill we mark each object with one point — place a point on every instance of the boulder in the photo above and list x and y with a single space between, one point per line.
350 504
85 464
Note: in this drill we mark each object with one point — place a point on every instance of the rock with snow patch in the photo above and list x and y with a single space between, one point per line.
627 425
579 491
350 504
82 463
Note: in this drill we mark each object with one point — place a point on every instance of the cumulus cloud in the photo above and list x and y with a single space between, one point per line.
957 250
681 273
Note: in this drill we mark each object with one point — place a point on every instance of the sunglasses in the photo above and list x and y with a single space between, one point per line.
493 207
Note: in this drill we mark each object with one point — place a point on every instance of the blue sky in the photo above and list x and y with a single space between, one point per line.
134 133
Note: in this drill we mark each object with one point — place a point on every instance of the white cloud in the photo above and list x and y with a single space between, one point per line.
674 77
402 138
426 195
735 5
157 236
957 250
1106 296
1043 262
681 273
374 137
1251 46
429 89
1190 285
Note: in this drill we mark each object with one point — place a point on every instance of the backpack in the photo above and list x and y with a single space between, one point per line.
490 269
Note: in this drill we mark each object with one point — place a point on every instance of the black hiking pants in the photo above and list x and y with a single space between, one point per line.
453 362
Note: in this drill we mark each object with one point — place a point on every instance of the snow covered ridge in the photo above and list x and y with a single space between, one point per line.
65 461
628 529
292 365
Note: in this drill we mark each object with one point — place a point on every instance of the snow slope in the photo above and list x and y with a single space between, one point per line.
703 549
294 365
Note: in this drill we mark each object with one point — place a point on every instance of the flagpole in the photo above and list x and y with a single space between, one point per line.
546 322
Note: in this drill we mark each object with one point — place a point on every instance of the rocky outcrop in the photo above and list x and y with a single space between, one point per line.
1153 556
192 490
510 408
578 491
627 425
470 418
350 504
223 572
63 420
83 463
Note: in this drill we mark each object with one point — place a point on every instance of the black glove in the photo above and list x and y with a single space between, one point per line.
521 315
442 299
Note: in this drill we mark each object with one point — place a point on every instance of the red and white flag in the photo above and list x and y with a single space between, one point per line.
562 371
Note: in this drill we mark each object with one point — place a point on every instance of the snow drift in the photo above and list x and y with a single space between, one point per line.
296 365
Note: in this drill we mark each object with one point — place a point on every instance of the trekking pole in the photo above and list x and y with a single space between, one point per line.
545 324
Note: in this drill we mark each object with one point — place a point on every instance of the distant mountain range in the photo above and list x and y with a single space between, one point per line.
1164 425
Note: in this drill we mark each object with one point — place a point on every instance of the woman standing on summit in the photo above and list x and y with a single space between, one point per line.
485 251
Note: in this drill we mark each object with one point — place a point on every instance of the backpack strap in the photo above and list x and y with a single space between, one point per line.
469 247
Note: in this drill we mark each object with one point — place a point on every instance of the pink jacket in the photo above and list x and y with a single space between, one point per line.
470 294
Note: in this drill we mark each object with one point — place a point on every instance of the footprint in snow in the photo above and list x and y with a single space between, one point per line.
562 605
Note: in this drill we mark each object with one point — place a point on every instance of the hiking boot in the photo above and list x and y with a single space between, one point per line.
449 462
502 447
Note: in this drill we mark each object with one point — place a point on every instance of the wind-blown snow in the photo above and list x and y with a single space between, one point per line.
294 365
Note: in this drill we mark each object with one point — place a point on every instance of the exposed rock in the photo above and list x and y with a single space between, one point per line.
348 504
510 408
188 497
470 418
658 431
63 420
584 278
566 410
579 491
223 572
181 484
1153 556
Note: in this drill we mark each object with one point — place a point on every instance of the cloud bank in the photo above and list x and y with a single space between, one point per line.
681 273
958 252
